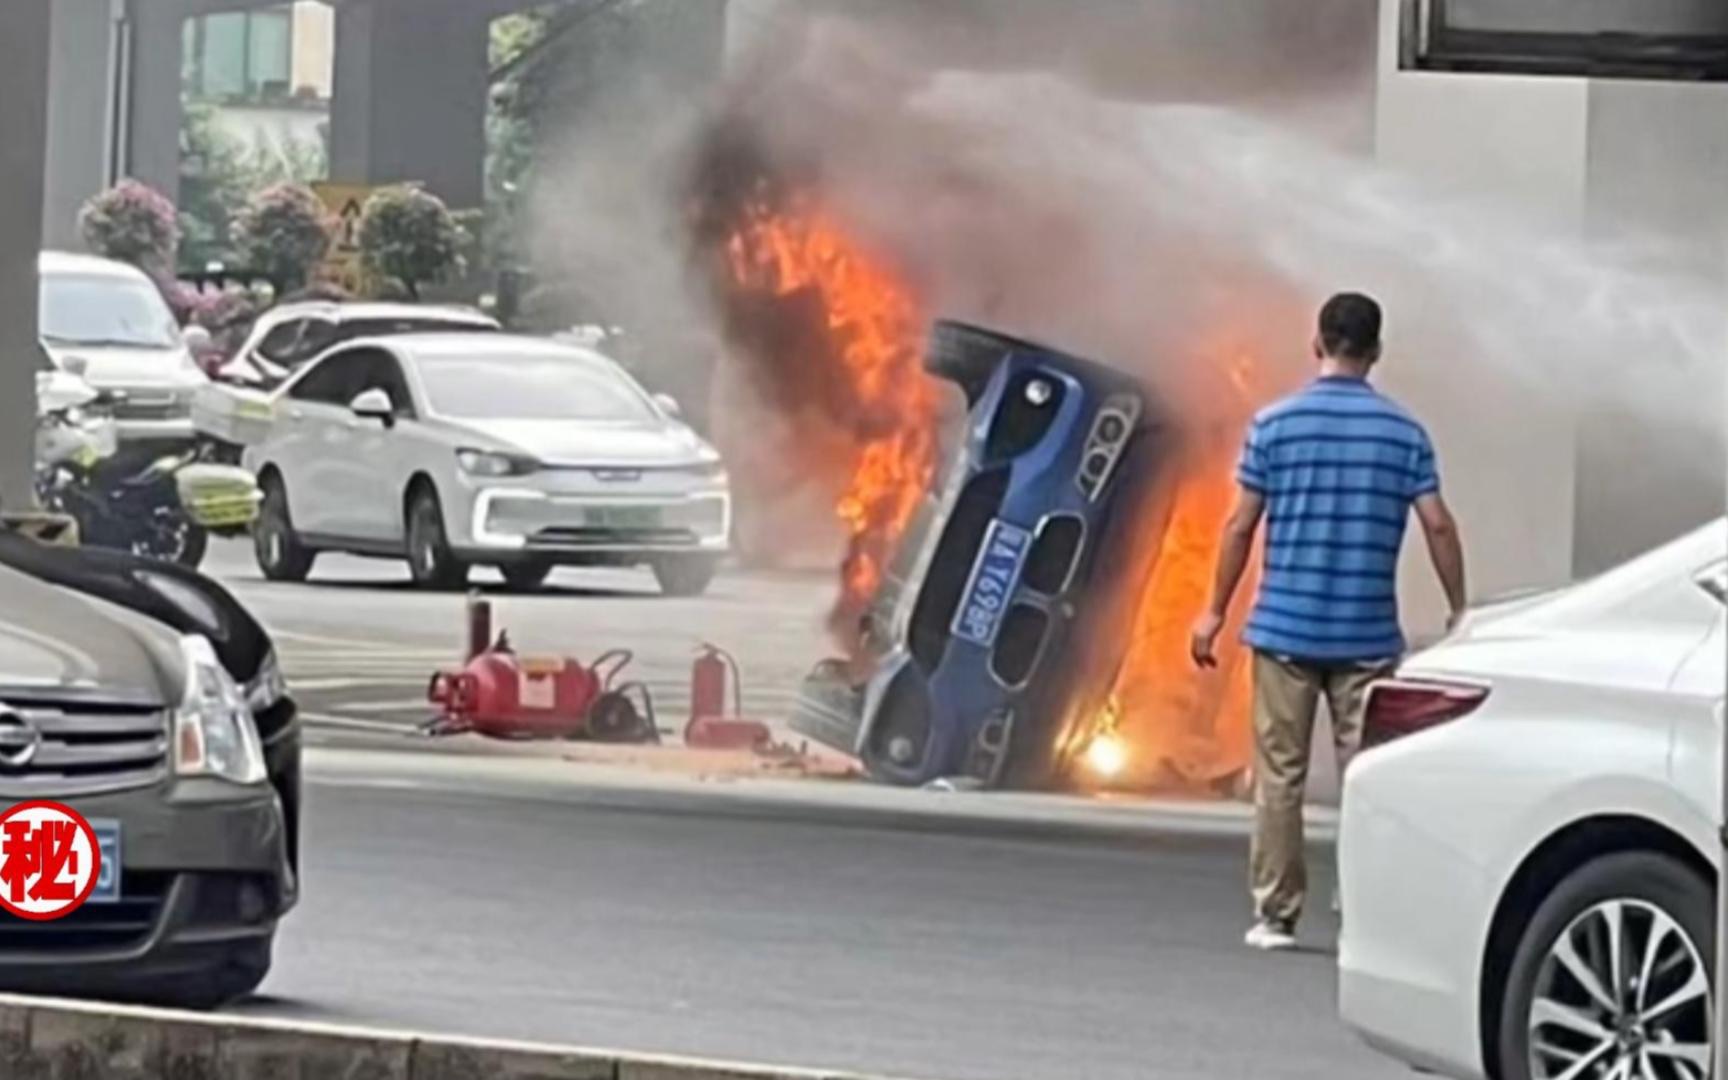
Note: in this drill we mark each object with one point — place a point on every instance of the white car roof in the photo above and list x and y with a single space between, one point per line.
342 311
68 262
501 346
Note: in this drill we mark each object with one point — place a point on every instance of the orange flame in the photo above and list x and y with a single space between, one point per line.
885 400
864 381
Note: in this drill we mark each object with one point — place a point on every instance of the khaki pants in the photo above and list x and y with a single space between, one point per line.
1286 696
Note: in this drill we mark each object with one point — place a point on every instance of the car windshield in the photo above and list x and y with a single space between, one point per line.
531 388
104 309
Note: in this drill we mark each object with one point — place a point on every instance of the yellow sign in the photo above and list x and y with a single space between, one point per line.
346 203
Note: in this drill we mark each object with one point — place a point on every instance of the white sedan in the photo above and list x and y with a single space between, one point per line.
455 449
1528 854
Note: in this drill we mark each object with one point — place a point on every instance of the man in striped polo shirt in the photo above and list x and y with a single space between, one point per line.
1334 470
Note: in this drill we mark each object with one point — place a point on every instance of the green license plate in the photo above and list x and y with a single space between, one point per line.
624 517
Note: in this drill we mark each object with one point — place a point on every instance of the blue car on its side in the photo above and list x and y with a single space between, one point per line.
984 665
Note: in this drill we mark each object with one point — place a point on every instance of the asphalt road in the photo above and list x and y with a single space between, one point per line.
653 922
454 892
358 642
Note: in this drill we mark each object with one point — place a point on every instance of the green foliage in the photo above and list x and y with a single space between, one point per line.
219 173
283 233
409 237
134 223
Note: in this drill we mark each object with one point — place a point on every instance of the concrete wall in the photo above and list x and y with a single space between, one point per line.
1590 159
24 46
1656 165
78 121
410 97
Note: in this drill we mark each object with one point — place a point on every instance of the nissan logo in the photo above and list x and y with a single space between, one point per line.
19 740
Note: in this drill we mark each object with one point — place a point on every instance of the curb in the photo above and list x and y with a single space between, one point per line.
54 1039
863 806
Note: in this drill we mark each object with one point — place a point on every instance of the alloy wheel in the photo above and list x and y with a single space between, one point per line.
1623 994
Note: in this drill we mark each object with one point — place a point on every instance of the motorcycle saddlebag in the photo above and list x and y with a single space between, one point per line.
219 497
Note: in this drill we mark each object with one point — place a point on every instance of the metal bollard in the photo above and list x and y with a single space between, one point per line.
479 624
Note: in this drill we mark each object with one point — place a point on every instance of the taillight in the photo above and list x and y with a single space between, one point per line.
1400 707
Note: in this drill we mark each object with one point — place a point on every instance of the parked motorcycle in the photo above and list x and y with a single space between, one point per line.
166 508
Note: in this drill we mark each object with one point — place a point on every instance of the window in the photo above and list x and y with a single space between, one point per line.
106 309
384 372
320 335
239 55
335 380
497 387
1681 39
278 345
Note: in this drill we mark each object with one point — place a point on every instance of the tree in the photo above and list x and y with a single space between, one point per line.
409 236
283 233
134 223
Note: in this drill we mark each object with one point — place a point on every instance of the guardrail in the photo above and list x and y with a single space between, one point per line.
52 1039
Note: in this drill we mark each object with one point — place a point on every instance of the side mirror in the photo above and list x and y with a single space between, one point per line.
374 404
669 405
75 365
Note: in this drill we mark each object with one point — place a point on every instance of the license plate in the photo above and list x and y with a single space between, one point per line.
107 890
624 517
993 580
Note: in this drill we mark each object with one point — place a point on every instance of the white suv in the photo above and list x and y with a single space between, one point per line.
454 450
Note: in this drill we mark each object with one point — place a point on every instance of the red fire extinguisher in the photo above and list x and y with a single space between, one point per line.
708 678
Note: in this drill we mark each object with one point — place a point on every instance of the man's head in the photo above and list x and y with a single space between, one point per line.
1349 331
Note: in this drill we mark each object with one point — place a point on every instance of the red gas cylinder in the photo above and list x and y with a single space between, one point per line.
507 696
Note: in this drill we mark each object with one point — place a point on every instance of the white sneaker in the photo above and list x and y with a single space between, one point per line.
1270 937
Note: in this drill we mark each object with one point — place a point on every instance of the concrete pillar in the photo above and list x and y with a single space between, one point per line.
24 41
410 96
1656 171
81 121
152 136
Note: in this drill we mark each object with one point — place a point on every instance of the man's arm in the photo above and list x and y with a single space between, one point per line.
1445 548
1238 541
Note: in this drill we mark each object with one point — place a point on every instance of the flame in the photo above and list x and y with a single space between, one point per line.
883 399
836 339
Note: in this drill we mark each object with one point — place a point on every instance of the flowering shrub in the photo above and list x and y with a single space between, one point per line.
134 223
408 236
283 233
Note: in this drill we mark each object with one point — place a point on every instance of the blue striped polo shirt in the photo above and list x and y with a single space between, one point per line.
1339 465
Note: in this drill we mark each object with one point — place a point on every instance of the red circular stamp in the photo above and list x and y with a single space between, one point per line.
49 860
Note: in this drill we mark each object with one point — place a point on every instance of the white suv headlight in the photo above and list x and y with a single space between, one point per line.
268 686
491 464
213 730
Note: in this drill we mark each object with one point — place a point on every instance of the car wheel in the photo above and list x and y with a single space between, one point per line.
686 575
1614 971
434 565
525 576
280 554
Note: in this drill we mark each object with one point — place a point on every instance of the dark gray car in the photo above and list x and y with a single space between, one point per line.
139 728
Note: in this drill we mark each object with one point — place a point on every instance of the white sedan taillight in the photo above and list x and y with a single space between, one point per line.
1398 707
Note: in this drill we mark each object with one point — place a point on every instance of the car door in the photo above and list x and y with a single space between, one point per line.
382 458
314 426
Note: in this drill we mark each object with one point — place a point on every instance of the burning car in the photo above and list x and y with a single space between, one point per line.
975 661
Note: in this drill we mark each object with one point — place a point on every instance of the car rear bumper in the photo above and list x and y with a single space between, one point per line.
1415 917
204 873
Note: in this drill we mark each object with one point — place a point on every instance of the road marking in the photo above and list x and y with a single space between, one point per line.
328 720
334 642
324 685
